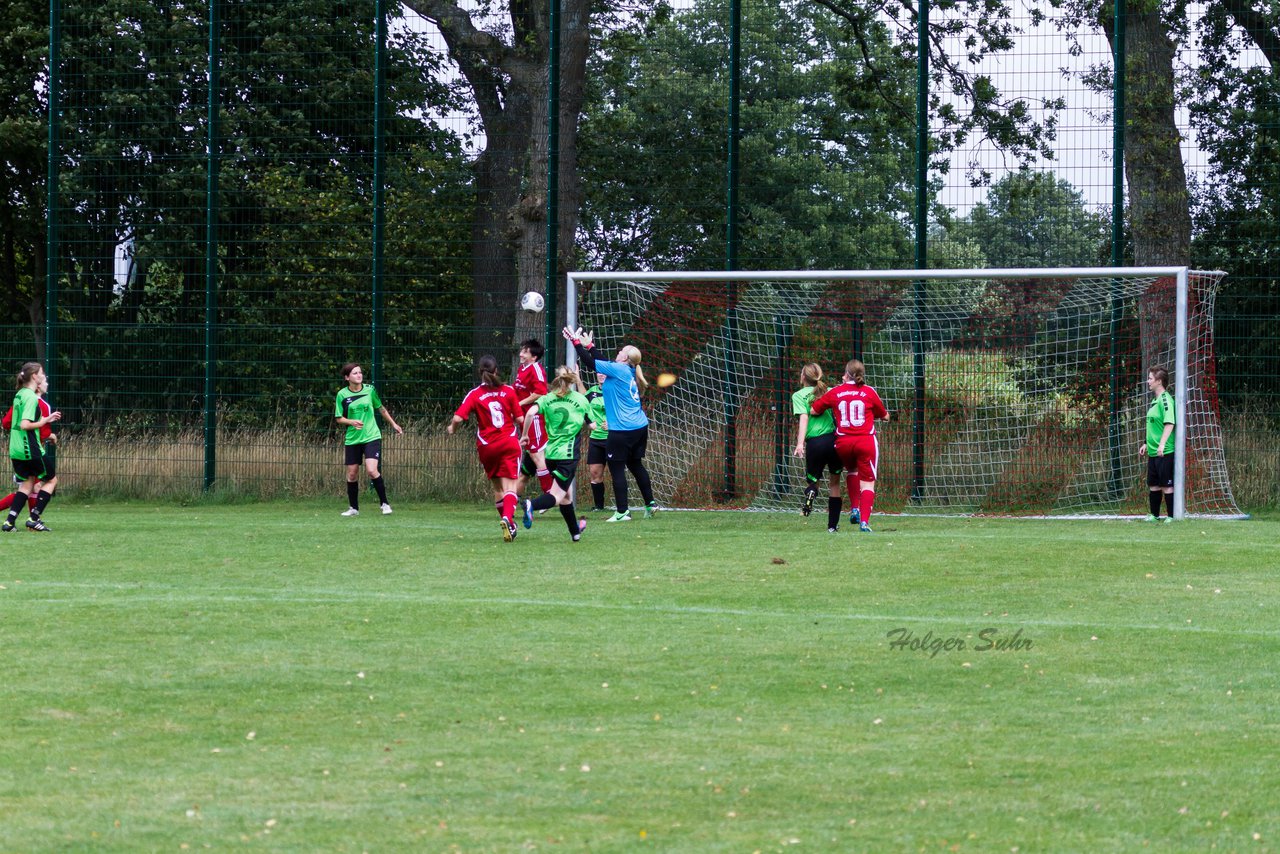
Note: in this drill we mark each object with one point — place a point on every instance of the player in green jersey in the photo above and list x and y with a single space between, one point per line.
26 450
355 408
597 453
565 410
816 442
1158 445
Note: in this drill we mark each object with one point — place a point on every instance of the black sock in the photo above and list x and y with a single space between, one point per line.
545 501
381 487
19 501
1168 500
1155 503
618 471
353 494
570 518
835 503
42 501
597 495
641 474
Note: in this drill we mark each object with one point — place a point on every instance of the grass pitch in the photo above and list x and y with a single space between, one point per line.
274 677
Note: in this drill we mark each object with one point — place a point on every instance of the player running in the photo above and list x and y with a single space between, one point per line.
565 411
530 384
355 407
856 406
816 442
628 425
49 481
26 449
498 418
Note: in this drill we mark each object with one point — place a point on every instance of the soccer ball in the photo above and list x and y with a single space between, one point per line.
532 301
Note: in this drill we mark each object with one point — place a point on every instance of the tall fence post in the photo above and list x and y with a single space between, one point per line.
1115 428
377 320
51 249
731 241
211 252
553 172
918 293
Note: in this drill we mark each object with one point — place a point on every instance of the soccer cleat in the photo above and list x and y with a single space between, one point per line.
833 530
7 527
582 526
1151 518
351 511
1168 520
386 509
855 518
651 510
527 519
806 506
37 525
620 517
508 530
864 528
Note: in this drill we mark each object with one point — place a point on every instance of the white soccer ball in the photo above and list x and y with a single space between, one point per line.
532 301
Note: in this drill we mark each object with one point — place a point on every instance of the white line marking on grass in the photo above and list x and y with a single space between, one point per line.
182 595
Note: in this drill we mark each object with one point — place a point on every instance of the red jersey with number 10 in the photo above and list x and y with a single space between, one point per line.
496 411
855 409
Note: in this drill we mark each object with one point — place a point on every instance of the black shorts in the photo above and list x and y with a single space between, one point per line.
623 446
563 472
32 469
364 451
1160 472
50 462
820 453
596 452
527 466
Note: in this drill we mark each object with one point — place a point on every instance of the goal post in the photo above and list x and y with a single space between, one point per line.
1013 391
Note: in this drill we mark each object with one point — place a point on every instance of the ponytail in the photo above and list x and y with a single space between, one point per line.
566 380
856 372
811 375
26 372
633 359
488 368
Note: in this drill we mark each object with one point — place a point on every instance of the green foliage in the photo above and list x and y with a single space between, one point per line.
825 157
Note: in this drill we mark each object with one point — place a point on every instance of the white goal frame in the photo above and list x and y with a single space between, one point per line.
1180 274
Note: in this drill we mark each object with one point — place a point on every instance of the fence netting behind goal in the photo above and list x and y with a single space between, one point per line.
1034 401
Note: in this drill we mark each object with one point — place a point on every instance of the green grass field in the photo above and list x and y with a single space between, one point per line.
274 677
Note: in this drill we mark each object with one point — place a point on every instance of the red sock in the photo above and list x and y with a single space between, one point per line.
865 500
7 500
32 500
509 506
851 484
544 480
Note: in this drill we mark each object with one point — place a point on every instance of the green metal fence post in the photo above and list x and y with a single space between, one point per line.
553 174
378 330
731 240
49 358
918 294
1114 432
211 253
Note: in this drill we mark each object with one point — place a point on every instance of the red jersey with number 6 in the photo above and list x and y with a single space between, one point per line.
856 408
496 410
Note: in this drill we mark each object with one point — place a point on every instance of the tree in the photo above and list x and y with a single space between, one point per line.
1034 219
501 49
825 150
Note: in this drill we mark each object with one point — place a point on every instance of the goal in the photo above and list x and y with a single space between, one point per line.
1012 392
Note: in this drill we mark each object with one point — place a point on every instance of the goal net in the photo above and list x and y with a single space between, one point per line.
1012 392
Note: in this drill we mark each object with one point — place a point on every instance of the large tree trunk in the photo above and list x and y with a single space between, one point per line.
1159 205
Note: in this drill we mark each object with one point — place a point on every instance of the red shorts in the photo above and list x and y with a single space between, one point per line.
859 454
500 459
537 434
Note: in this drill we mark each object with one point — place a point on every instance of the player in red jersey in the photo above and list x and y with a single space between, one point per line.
49 480
856 406
530 384
498 418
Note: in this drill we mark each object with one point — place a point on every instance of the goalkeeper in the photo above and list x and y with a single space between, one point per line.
816 442
628 425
